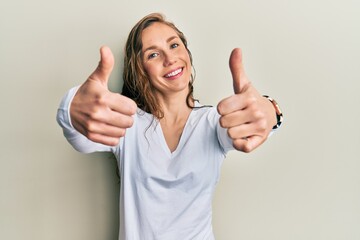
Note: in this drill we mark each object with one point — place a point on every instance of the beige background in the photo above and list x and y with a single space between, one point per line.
302 184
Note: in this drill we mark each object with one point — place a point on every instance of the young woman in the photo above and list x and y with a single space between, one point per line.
168 146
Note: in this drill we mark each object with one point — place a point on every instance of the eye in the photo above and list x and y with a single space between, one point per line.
152 55
174 45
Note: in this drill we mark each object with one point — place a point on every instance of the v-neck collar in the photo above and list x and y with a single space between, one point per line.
182 140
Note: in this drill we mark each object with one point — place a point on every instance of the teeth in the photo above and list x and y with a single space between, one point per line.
174 73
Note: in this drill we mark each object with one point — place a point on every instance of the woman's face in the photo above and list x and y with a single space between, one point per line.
166 59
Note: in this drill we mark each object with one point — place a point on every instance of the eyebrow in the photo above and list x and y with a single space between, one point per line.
154 47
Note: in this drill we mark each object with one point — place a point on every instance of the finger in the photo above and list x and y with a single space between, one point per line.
111 102
234 103
236 118
237 71
99 128
248 144
107 117
240 131
121 104
247 130
97 137
105 67
103 139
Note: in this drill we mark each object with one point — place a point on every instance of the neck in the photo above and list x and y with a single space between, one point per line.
175 107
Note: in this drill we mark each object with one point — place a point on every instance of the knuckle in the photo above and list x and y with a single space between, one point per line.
89 126
258 114
133 107
222 122
114 141
127 122
243 146
246 149
262 125
223 106
91 136
129 105
231 133
95 113
219 109
251 100
101 100
130 122
122 132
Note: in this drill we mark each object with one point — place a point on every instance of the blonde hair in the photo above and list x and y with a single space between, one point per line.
137 84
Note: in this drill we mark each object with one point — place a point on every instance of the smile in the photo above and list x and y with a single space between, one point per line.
173 73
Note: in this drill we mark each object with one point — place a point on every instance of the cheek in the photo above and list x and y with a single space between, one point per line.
188 61
149 69
186 56
152 73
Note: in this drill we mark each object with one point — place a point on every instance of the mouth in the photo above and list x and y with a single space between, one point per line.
174 73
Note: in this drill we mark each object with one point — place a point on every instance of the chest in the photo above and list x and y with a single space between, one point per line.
149 162
172 134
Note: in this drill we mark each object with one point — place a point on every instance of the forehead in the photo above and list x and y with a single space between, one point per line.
157 33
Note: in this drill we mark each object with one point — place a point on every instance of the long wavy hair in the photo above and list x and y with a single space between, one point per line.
137 84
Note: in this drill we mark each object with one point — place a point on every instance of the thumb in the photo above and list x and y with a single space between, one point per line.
240 80
105 67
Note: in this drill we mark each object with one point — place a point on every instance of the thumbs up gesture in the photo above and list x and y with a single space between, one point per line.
102 116
248 116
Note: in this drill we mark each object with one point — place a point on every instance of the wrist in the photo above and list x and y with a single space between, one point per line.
279 114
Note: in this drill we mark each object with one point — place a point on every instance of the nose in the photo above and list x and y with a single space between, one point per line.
169 59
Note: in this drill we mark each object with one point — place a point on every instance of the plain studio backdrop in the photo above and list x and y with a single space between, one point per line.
303 183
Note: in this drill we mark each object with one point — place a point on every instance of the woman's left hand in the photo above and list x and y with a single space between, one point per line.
248 116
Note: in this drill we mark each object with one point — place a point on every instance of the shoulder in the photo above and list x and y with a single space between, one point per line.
142 117
142 121
206 114
205 109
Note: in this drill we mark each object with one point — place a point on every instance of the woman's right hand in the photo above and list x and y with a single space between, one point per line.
100 115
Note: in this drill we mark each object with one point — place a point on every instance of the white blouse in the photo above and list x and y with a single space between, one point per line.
163 195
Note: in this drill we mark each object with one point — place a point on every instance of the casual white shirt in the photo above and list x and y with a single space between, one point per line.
164 195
